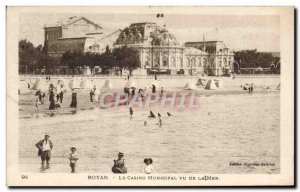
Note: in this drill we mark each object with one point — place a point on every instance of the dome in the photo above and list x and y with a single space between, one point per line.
164 38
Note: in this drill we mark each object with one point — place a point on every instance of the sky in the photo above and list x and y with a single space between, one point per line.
261 32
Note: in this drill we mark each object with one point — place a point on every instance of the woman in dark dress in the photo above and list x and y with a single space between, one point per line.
74 100
119 164
51 99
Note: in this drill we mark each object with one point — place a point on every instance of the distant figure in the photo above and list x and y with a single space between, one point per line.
169 114
130 111
160 122
155 77
73 157
119 164
37 108
94 88
158 114
51 99
140 93
162 91
153 89
251 87
45 146
145 123
28 85
133 92
74 99
57 97
152 115
61 96
148 169
128 77
92 93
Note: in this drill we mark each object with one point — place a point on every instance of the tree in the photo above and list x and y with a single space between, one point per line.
32 58
254 59
73 59
126 58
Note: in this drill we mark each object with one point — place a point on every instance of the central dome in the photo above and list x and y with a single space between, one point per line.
164 38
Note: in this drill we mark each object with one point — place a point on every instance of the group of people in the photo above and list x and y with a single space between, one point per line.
45 147
55 97
248 87
151 116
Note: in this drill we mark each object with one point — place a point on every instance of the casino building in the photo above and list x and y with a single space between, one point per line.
160 51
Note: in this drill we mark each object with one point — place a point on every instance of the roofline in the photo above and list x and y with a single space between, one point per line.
119 30
84 19
74 22
143 23
94 33
52 27
73 38
201 42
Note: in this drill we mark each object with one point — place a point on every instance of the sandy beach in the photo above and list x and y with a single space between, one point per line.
230 126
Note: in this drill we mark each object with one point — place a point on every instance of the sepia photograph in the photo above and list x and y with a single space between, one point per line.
150 96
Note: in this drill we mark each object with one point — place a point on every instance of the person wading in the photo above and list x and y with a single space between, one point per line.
45 146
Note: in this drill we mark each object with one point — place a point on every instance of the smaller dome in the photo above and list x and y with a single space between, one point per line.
164 38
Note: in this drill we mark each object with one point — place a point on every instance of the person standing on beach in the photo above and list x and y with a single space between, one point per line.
73 157
61 95
45 146
37 104
130 111
92 93
51 99
57 97
74 99
94 88
153 89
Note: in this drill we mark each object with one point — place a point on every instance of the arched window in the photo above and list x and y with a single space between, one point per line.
173 63
181 63
200 62
193 62
156 61
165 62
188 62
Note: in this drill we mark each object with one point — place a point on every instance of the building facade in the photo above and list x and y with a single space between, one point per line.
160 51
77 33
220 59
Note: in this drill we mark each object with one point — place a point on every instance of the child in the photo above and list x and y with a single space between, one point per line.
37 103
73 159
149 168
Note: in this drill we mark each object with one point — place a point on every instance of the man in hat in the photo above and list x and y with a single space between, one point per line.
45 146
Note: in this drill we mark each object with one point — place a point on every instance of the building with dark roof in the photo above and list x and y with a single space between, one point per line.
160 51
76 33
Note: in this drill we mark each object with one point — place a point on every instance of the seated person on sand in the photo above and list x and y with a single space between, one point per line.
119 164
